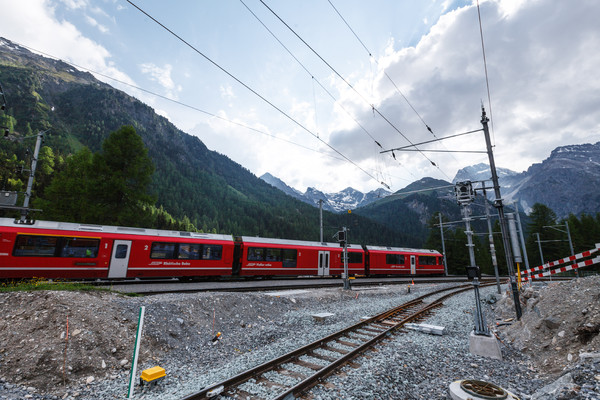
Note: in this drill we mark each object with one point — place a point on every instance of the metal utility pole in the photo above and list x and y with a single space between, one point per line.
500 207
343 239
571 247
568 232
465 196
491 240
443 245
541 253
36 152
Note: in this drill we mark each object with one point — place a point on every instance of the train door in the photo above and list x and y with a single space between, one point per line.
323 263
119 259
413 265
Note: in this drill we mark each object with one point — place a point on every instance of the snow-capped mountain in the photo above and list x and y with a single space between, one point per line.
568 181
347 199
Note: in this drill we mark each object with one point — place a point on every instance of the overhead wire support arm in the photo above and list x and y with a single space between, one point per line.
432 141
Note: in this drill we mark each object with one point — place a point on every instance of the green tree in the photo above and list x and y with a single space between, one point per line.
541 217
67 197
122 175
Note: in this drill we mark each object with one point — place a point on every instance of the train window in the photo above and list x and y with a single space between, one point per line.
121 251
355 258
162 250
189 251
35 246
427 260
212 252
396 259
273 255
256 254
290 256
79 247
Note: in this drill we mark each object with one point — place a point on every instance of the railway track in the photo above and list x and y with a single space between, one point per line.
309 365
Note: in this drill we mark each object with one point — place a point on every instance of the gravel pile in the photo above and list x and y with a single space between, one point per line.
257 327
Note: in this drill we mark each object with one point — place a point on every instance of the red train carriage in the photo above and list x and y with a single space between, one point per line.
263 257
67 250
395 260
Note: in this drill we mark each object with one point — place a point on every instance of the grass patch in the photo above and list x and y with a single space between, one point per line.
45 284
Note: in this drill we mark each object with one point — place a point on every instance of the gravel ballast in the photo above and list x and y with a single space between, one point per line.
256 327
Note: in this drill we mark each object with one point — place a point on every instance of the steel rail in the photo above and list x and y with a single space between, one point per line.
384 330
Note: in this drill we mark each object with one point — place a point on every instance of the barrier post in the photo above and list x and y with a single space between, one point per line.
138 338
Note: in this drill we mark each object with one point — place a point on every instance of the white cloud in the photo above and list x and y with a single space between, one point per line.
162 75
96 24
74 4
543 77
33 23
227 92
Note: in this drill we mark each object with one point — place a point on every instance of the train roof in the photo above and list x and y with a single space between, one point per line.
71 226
404 250
289 242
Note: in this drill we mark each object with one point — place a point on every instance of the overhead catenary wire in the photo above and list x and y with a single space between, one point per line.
251 89
389 78
375 109
487 81
328 154
314 79
83 68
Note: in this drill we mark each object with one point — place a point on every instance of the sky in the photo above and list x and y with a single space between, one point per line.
312 91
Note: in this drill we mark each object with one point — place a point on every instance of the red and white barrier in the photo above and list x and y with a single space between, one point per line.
562 261
581 264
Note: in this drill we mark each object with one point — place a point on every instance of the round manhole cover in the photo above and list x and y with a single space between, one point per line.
483 390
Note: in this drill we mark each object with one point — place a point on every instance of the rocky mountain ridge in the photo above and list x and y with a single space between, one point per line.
347 199
567 181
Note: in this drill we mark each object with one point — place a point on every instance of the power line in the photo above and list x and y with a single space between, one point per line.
314 79
386 74
487 82
250 89
178 102
187 105
349 84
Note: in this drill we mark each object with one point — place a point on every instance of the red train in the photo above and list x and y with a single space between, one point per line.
68 250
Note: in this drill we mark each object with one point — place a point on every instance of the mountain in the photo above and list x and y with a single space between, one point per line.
567 181
480 172
347 199
190 181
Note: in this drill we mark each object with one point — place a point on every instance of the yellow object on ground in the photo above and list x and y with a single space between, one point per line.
152 374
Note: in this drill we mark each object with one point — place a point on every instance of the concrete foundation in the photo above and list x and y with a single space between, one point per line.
485 346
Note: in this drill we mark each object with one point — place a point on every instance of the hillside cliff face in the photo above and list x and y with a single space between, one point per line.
567 181
190 180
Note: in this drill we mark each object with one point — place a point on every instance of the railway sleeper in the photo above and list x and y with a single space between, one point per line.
321 356
346 343
307 364
335 349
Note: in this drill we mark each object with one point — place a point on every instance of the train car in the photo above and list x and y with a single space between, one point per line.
68 250
270 257
401 261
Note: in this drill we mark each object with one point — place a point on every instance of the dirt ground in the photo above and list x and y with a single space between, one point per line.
560 323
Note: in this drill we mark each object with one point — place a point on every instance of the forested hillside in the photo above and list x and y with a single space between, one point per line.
189 182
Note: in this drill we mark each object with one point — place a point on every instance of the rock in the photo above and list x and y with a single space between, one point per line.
180 321
89 380
103 364
561 334
113 350
549 392
552 322
76 332
123 363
